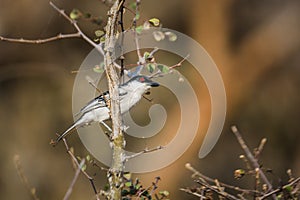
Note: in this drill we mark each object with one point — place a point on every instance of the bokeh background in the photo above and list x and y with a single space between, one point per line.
255 44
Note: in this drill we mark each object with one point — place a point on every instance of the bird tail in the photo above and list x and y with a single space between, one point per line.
76 124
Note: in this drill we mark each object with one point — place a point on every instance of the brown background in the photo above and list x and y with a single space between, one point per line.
256 45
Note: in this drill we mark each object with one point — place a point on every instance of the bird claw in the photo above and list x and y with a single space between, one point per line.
124 128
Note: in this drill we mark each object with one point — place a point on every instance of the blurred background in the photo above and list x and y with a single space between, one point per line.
255 44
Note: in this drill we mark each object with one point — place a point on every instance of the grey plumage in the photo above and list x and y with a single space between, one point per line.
97 109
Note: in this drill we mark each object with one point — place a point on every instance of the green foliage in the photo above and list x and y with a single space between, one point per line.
133 189
158 35
163 68
139 29
99 33
154 21
99 68
171 36
150 67
75 14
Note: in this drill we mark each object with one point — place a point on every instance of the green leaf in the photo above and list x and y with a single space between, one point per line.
154 21
99 33
75 14
133 5
99 68
146 55
158 35
88 158
124 193
138 186
83 168
139 29
102 39
171 36
151 67
106 187
127 176
163 68
288 188
164 193
137 16
128 184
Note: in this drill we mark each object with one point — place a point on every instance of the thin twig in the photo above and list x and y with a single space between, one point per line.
92 83
31 190
74 160
143 152
206 179
74 23
121 22
297 180
192 193
41 41
84 36
140 57
252 158
222 193
260 147
70 189
158 73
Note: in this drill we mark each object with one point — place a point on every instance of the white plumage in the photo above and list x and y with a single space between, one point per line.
97 110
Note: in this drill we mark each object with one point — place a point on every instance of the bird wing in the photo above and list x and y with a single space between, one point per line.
97 102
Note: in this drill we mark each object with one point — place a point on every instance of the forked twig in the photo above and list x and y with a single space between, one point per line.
252 158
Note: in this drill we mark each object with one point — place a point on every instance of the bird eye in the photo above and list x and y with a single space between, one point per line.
142 79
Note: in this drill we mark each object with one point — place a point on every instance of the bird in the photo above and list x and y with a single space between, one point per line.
97 110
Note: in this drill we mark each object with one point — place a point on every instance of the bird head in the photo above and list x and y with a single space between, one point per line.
144 80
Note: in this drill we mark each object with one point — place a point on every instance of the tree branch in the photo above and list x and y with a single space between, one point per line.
41 41
252 158
75 161
70 189
143 152
115 177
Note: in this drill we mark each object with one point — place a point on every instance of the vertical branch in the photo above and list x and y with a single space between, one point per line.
118 142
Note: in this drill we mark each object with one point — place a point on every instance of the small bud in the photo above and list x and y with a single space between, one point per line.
239 173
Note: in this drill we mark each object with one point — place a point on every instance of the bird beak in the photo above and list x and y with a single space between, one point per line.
153 84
